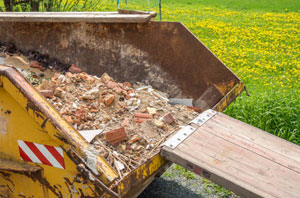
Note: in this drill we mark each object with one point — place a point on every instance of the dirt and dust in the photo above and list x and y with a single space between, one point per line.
131 121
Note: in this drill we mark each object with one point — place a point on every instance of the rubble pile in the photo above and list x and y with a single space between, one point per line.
125 123
132 121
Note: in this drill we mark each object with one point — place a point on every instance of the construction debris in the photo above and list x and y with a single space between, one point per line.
126 123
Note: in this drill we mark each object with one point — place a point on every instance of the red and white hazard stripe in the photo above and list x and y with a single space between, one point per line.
43 154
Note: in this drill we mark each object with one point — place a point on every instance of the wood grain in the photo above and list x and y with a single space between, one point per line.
240 157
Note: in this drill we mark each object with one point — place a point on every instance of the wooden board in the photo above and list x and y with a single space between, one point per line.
91 17
240 157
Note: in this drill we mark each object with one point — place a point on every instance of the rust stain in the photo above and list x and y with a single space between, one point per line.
44 123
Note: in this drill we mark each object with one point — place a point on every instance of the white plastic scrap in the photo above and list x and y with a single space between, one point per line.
119 165
89 135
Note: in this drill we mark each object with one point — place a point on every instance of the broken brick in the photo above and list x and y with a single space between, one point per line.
139 120
127 84
197 109
75 69
168 118
109 99
94 110
36 64
141 117
105 77
111 84
47 93
63 111
69 119
116 136
134 139
69 75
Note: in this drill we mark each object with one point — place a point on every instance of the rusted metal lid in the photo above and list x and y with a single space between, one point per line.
90 17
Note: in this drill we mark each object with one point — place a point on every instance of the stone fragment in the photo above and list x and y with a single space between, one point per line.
125 122
151 110
108 99
47 93
75 69
59 92
91 94
116 136
158 123
168 118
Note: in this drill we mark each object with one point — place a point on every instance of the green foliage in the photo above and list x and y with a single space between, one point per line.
50 5
187 174
212 188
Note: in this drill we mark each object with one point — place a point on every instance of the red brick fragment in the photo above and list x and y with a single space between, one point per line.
168 118
134 139
139 120
47 93
116 136
141 117
127 84
75 69
111 84
94 110
69 119
36 64
105 77
109 99
197 109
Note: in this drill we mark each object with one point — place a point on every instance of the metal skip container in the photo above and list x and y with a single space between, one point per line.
129 47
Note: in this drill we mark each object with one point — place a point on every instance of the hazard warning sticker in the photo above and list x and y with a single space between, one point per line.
42 154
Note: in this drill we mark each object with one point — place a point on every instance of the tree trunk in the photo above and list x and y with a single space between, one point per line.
8 5
35 5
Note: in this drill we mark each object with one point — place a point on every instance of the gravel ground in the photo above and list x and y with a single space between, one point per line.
176 182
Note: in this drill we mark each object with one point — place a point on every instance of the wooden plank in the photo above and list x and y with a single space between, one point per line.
242 158
90 17
261 148
260 137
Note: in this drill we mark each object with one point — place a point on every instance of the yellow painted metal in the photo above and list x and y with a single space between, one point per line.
140 174
229 97
26 115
